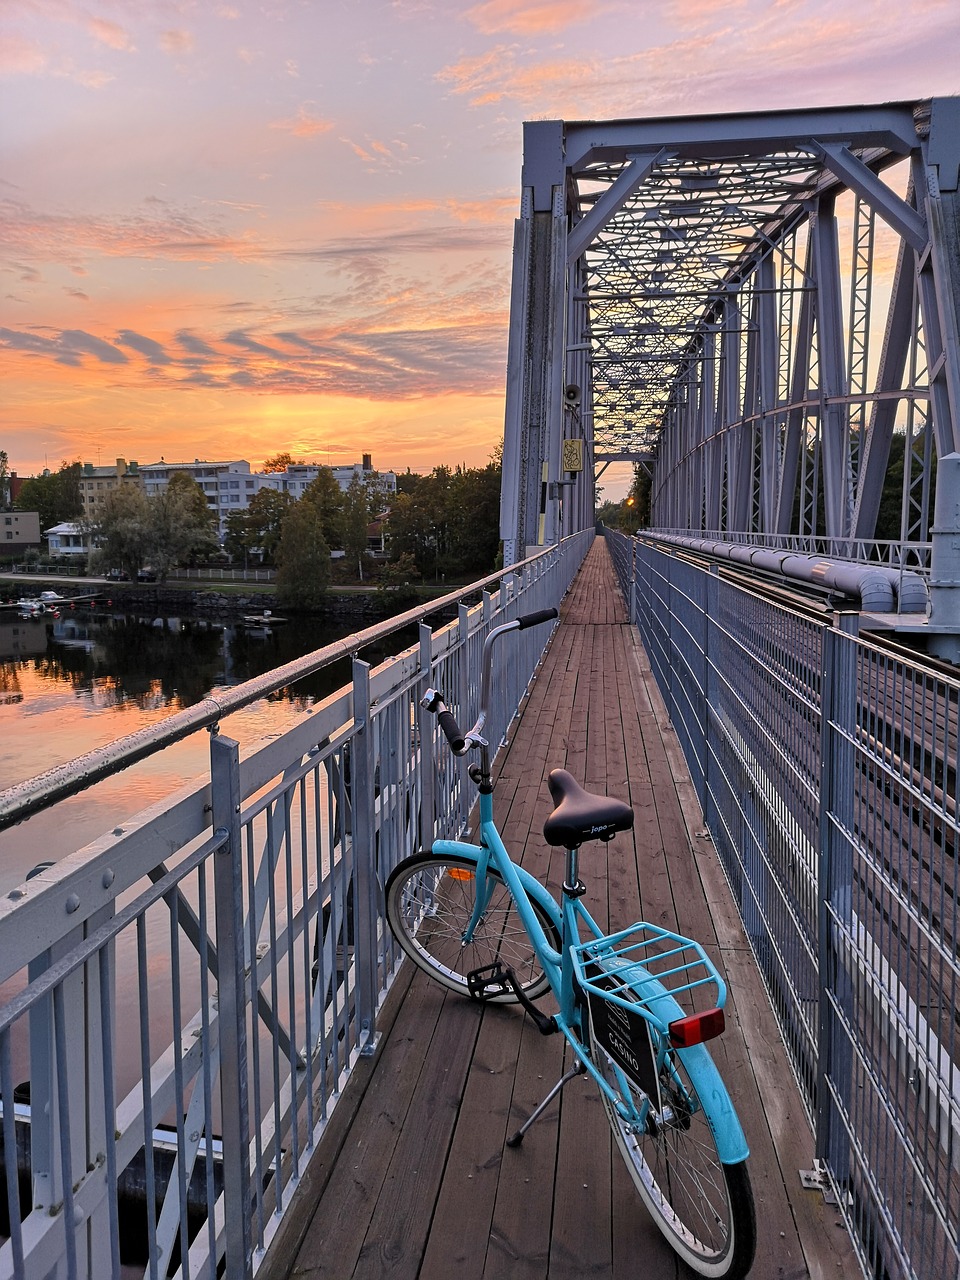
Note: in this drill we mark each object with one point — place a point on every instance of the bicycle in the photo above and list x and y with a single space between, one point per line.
636 1006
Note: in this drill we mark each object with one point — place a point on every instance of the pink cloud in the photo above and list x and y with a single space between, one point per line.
176 42
111 34
21 57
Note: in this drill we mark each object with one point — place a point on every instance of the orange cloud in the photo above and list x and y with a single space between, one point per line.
304 124
533 17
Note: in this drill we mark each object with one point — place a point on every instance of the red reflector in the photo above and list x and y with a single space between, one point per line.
695 1029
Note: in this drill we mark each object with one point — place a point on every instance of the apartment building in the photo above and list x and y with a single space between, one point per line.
230 486
227 486
97 482
19 532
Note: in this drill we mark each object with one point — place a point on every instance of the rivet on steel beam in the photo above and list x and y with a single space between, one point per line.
72 903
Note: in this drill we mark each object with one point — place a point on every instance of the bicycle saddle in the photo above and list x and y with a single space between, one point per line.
580 815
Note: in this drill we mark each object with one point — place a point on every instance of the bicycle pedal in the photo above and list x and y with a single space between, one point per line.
488 982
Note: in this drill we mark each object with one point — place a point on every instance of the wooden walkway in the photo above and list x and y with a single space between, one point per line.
413 1179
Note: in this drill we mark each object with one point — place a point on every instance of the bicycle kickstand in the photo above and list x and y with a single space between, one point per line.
515 1139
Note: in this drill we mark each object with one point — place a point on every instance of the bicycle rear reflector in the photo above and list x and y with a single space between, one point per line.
698 1027
459 873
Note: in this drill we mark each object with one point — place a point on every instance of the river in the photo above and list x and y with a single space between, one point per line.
79 681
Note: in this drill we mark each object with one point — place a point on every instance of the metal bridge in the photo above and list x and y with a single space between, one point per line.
761 313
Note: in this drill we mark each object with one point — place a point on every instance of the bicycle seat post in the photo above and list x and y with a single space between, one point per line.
572 885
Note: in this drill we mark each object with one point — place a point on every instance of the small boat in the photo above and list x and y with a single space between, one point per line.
261 620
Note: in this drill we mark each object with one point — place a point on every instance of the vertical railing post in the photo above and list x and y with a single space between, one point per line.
427 768
231 1000
365 841
712 648
463 700
634 567
835 887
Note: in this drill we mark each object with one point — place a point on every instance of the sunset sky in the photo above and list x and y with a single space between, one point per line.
230 229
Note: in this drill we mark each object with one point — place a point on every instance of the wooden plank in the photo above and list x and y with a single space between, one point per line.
397 1234
423 1185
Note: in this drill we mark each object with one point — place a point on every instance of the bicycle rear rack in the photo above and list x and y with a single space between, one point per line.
665 971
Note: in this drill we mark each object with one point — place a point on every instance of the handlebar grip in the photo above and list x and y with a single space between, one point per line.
534 619
451 731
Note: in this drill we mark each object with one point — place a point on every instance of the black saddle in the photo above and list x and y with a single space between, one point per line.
580 815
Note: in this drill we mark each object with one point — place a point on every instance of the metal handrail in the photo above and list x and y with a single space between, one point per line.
36 794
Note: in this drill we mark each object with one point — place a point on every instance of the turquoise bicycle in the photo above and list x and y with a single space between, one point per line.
635 1007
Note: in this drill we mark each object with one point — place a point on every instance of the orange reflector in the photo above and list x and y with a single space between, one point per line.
459 873
695 1029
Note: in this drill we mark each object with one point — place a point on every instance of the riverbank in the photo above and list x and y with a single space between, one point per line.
221 600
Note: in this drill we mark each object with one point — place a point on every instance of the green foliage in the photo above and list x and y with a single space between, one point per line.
182 526
325 495
354 521
448 521
54 494
303 557
122 531
264 520
168 529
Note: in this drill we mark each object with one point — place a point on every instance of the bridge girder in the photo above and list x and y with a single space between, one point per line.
761 303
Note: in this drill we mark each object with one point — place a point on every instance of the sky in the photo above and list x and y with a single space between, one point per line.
233 229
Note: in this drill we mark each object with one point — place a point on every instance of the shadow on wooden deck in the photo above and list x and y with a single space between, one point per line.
413 1179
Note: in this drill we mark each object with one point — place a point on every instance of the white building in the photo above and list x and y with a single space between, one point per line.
229 486
68 539
298 476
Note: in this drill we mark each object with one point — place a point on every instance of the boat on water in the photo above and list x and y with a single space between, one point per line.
261 621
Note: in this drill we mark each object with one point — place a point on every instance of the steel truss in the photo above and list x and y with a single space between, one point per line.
763 308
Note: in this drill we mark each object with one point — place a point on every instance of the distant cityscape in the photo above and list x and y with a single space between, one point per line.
228 486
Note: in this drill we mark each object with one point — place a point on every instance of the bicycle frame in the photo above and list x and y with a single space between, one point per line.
654 1002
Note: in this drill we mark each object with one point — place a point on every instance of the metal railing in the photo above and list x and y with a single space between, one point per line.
896 553
827 772
188 995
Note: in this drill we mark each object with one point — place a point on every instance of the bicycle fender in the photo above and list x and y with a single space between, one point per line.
542 896
718 1110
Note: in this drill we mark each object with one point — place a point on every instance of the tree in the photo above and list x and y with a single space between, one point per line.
303 557
55 495
449 521
279 462
265 519
355 522
327 497
238 536
182 526
122 530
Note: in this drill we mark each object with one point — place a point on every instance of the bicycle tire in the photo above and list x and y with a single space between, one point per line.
703 1207
429 902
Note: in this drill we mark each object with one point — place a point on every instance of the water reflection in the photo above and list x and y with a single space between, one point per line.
158 661
78 682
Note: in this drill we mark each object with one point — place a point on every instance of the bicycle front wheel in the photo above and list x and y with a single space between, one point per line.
429 903
703 1207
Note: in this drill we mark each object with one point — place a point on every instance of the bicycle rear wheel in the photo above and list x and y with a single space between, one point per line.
703 1207
429 902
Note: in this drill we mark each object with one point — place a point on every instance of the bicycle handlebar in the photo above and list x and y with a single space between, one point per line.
452 731
534 619
460 742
